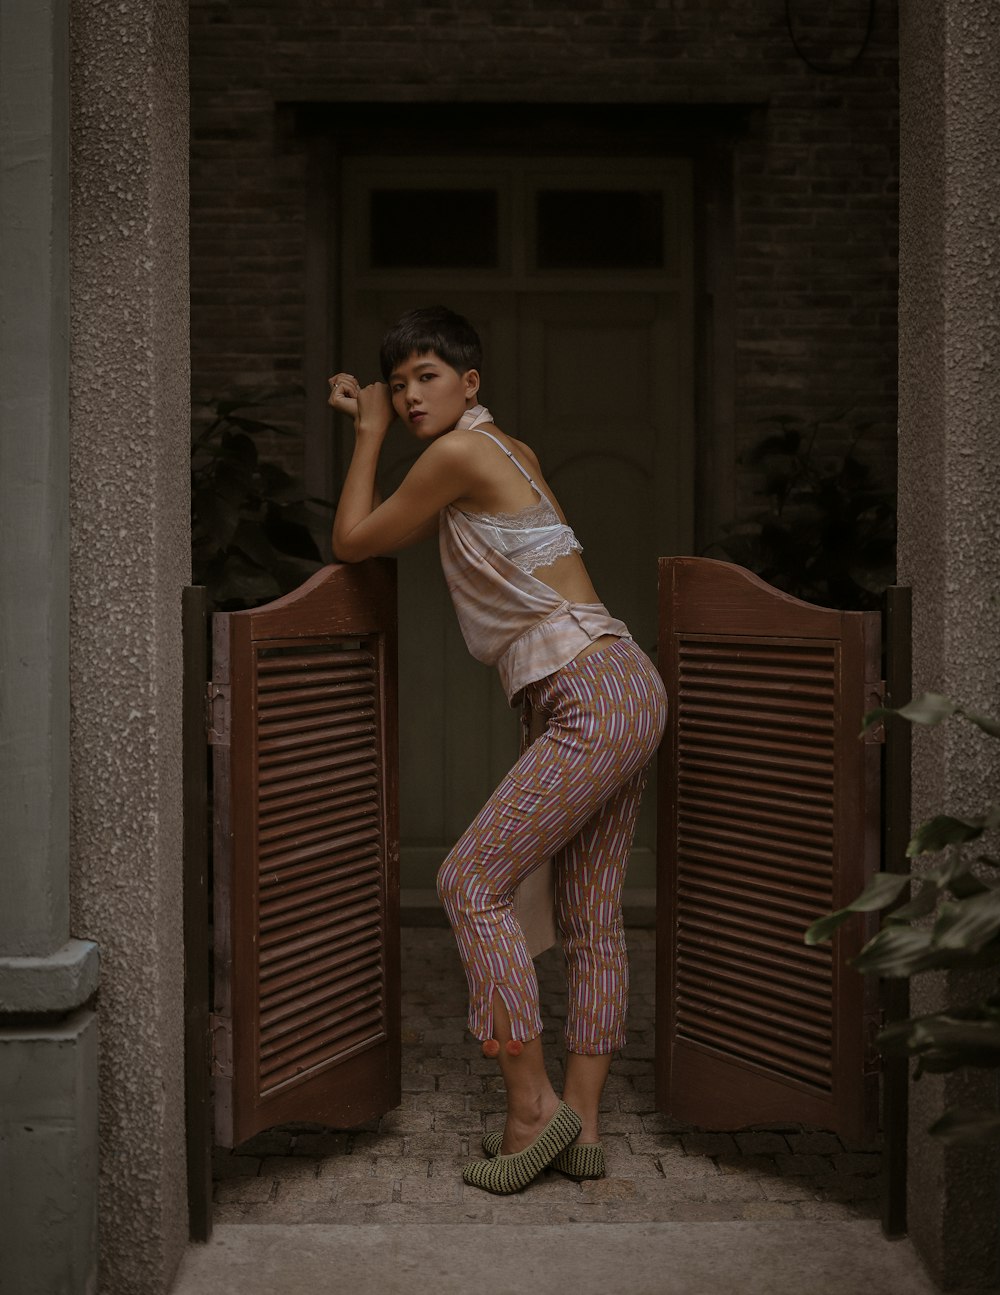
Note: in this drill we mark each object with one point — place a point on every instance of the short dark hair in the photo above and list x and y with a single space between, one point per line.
431 328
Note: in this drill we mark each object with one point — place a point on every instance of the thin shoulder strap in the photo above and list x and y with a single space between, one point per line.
497 441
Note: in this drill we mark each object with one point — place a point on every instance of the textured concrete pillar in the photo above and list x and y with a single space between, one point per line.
130 555
48 1163
34 477
48 1033
949 530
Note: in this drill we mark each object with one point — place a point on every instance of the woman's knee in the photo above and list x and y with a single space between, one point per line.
452 886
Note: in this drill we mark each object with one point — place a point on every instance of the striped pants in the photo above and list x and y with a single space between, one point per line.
572 796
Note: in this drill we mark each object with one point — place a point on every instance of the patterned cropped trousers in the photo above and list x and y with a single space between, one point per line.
572 796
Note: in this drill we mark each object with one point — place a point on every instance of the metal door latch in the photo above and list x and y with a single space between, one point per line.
222 1046
217 713
875 700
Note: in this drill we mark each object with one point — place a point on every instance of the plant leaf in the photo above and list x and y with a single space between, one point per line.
929 708
942 830
960 1125
895 951
966 884
986 722
241 582
290 537
970 923
924 902
291 572
943 1042
786 442
242 449
883 889
218 515
255 427
250 539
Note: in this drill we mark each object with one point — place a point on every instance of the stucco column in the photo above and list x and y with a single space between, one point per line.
48 1030
949 530
130 558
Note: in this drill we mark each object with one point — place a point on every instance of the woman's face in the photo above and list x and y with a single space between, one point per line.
429 396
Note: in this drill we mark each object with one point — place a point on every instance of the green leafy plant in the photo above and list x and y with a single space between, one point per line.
951 920
827 535
251 539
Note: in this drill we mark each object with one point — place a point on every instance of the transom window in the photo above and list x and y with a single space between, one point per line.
538 220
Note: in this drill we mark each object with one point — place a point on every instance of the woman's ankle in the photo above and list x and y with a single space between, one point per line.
589 1118
529 1107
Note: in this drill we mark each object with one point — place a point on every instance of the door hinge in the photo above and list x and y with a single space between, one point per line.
217 713
222 1045
874 700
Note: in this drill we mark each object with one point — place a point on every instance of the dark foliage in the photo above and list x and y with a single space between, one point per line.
251 540
950 919
827 535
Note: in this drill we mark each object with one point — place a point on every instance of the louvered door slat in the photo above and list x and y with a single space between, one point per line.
768 818
295 967
354 837
356 901
797 798
314 826
279 978
307 890
717 965
277 813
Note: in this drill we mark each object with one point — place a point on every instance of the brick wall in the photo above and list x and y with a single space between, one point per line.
816 176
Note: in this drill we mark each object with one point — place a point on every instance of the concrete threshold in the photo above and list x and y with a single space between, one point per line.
753 1258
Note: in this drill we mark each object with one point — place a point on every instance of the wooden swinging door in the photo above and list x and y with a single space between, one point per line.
768 817
306 856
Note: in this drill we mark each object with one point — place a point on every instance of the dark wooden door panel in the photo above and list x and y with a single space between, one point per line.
306 1020
768 818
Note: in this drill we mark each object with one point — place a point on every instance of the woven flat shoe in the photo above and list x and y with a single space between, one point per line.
581 1161
505 1174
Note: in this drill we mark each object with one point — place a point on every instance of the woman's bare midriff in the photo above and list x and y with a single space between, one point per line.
598 645
568 577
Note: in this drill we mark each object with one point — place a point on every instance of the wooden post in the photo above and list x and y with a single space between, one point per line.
895 993
197 1094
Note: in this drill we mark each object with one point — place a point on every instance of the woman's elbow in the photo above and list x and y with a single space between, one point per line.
346 550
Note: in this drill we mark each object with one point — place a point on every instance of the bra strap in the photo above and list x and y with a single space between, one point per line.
510 456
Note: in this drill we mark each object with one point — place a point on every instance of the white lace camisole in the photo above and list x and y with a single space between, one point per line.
532 537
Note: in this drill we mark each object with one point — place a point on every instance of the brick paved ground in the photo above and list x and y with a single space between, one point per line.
406 1167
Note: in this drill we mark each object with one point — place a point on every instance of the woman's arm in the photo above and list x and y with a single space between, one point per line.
363 527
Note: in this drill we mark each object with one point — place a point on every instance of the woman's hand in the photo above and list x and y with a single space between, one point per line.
370 407
375 411
344 394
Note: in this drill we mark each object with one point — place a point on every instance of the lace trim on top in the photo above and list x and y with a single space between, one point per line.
560 546
539 514
536 517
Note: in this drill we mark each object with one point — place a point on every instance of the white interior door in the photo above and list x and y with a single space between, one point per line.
576 273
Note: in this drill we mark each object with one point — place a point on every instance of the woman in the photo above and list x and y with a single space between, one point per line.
526 604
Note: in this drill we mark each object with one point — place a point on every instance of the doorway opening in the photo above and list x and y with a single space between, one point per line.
577 273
